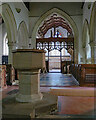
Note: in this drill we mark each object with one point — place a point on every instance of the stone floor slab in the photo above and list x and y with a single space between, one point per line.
13 109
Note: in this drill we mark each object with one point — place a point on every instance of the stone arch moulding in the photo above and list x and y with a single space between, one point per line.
10 23
92 22
22 40
69 20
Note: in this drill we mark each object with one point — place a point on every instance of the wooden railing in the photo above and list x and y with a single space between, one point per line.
85 74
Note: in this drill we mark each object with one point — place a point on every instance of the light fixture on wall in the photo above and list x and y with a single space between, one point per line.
18 10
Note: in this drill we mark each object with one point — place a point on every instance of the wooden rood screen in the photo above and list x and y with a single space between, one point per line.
55 43
51 43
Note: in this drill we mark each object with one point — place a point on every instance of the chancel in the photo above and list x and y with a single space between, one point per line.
47 60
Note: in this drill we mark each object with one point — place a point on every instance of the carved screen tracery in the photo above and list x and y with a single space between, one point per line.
54 43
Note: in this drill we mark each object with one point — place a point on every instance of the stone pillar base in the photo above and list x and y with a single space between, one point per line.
27 111
29 98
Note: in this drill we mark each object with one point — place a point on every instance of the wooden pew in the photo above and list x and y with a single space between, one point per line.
84 73
7 75
3 76
88 75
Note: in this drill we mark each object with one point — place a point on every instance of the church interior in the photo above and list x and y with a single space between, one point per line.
47 60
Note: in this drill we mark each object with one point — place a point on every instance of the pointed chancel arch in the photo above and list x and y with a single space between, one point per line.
22 41
68 19
10 23
86 43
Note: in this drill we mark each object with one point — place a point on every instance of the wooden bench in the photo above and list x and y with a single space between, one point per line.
3 76
7 75
85 74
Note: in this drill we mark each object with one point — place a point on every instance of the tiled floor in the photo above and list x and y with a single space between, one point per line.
57 80
66 104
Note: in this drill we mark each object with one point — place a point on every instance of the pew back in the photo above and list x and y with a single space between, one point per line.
84 73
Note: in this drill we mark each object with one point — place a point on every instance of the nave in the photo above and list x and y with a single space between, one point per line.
47 60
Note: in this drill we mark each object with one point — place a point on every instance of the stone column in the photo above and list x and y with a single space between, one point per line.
85 56
29 86
10 45
93 52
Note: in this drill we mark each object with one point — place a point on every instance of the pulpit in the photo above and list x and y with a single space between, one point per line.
28 62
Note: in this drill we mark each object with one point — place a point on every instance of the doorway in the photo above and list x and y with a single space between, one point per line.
54 61
57 51
54 64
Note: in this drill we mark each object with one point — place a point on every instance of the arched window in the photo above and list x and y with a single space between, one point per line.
5 46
